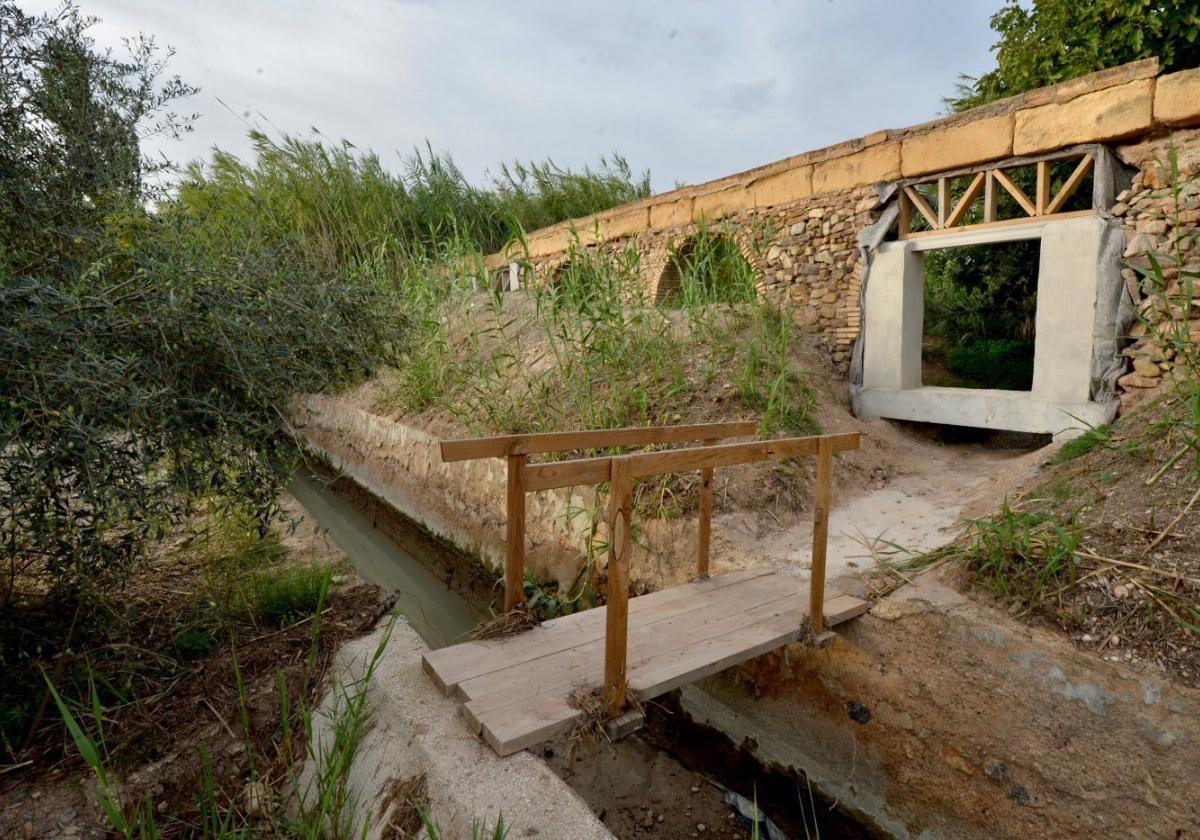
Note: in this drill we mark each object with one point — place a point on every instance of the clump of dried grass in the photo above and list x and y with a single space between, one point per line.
404 797
589 729
517 620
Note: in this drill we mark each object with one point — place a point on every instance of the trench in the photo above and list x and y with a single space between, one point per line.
666 781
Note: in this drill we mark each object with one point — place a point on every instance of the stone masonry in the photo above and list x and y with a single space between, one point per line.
797 220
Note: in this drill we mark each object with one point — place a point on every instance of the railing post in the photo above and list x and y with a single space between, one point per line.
706 504
514 549
820 535
616 617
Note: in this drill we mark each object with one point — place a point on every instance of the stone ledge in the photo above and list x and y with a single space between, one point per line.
1177 99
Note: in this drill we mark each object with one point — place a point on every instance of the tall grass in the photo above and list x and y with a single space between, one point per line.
353 209
586 347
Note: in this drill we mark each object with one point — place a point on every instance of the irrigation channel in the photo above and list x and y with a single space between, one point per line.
663 782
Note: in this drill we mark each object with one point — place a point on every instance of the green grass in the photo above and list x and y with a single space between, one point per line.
1093 438
277 597
1017 554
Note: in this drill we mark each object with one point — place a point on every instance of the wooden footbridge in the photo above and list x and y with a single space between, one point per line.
521 690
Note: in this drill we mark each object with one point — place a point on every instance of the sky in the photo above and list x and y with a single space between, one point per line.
690 89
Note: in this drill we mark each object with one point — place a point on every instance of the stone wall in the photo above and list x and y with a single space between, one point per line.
814 204
1160 222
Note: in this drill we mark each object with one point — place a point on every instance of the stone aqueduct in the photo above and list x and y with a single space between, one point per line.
848 224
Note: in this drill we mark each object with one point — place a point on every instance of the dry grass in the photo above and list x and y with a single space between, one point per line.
511 623
403 800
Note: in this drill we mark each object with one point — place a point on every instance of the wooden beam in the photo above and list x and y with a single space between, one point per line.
905 215
580 472
964 203
467 449
704 534
729 454
616 616
1015 192
816 585
1071 185
1042 196
943 202
584 471
514 538
921 204
989 197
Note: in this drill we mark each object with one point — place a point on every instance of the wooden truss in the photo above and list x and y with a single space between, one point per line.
950 214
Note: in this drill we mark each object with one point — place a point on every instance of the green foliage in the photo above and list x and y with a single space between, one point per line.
710 268
981 291
1057 40
70 117
1099 436
279 597
1016 554
1002 363
545 603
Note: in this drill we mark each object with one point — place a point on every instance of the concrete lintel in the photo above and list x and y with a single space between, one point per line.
987 236
986 409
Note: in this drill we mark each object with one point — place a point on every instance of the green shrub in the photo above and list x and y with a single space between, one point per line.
1006 364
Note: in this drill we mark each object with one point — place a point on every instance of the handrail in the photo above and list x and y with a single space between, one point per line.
517 449
467 449
620 470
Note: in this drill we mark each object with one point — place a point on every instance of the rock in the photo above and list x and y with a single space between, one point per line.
1140 244
1145 367
1153 226
701 827
1134 380
1120 209
257 798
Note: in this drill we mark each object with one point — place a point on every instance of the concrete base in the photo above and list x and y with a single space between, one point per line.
626 724
985 409
415 731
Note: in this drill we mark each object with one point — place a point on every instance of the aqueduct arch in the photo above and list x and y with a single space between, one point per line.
845 252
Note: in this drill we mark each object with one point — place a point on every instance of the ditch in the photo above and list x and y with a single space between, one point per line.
667 781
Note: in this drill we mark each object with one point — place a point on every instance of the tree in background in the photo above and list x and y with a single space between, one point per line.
1057 40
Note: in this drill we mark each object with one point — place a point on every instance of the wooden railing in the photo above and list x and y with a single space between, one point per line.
516 449
620 470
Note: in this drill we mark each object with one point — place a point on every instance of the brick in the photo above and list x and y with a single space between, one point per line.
782 187
963 145
1110 114
671 213
1177 98
877 163
724 202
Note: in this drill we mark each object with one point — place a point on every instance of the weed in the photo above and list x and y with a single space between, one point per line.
1015 554
278 597
1098 436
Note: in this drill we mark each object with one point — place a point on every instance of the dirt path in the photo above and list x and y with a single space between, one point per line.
929 487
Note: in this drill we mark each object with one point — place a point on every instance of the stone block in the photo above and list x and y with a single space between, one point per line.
670 213
551 241
1177 98
963 145
623 224
716 205
782 187
1111 114
877 163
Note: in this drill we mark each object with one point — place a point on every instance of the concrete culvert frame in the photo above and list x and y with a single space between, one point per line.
1083 313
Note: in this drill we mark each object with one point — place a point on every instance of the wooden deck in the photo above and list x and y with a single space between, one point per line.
516 690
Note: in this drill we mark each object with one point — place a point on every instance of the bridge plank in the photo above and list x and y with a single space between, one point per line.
449 666
578 666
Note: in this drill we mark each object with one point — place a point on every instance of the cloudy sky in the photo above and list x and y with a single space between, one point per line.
689 89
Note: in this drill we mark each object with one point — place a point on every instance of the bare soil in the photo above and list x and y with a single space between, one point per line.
1137 596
